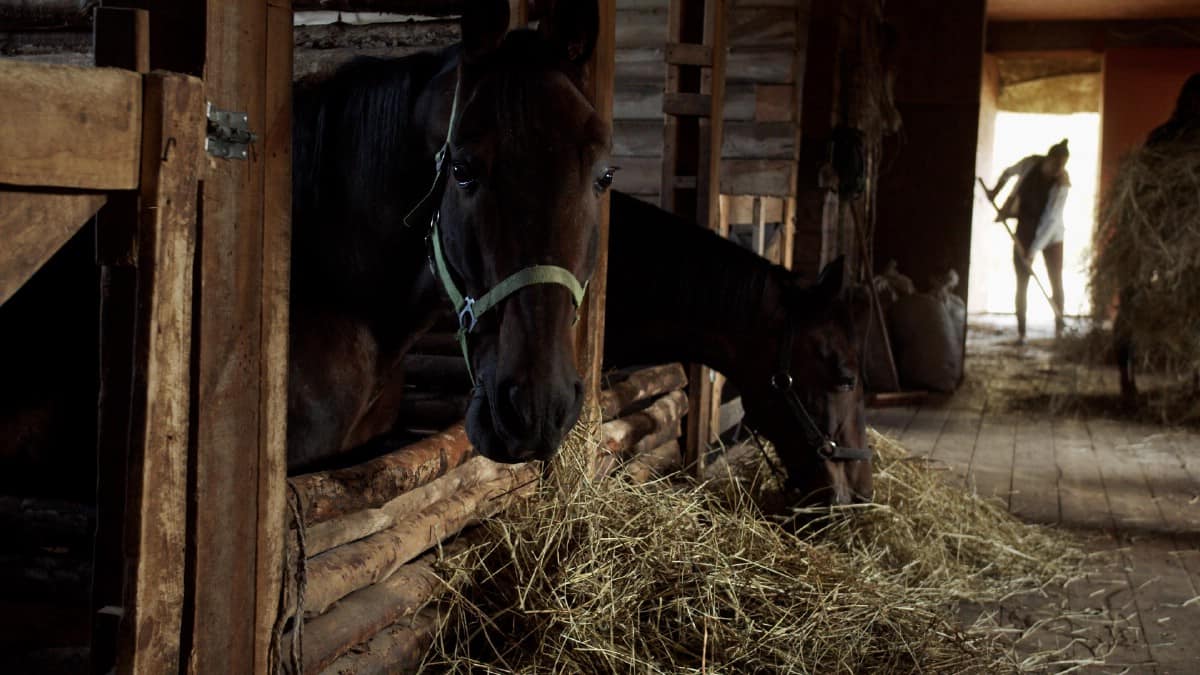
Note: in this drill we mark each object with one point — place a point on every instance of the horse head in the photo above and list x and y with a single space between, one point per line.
812 407
523 164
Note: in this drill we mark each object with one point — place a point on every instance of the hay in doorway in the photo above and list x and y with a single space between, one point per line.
1148 254
606 576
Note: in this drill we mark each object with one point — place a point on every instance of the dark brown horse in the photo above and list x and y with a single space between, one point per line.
677 292
494 142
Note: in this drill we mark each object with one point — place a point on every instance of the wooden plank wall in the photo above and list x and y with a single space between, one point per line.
762 74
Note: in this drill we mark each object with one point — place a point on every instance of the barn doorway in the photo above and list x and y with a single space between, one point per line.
1029 103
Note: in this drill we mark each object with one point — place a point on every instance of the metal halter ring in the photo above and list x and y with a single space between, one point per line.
467 312
781 381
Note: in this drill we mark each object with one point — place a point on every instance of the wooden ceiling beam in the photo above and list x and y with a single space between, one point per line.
1025 36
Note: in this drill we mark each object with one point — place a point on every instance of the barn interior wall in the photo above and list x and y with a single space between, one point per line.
989 97
763 37
1140 89
926 189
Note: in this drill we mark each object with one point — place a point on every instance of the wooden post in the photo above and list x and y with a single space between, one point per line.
276 285
241 326
156 494
590 336
693 105
121 41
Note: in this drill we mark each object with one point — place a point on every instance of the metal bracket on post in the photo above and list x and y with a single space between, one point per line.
228 135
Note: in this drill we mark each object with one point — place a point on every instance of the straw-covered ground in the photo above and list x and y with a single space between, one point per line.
675 576
1148 255
1074 375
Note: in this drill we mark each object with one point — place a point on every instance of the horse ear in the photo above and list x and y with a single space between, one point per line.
831 279
572 27
484 23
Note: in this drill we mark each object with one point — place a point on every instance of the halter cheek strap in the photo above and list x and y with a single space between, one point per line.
467 308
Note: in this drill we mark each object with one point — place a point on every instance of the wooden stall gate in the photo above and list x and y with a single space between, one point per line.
192 397
72 141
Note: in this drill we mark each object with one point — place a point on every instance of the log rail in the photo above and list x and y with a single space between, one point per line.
370 534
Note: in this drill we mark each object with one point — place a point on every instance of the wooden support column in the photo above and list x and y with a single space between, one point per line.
121 41
239 421
590 335
156 491
693 105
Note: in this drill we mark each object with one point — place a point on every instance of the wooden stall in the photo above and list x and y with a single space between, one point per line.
205 567
75 140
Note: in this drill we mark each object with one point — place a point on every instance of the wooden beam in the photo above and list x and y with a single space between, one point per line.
62 126
689 55
121 40
273 366
428 7
231 329
589 341
33 226
1096 36
44 14
156 504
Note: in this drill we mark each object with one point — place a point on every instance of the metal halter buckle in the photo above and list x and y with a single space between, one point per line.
468 311
781 381
828 449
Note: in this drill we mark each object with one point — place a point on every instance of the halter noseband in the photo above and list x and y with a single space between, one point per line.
783 383
467 308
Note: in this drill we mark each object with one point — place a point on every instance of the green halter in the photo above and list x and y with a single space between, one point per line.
467 308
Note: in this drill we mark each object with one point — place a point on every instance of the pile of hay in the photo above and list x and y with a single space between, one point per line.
1149 241
605 576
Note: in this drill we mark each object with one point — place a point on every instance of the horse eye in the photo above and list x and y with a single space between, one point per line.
605 181
463 174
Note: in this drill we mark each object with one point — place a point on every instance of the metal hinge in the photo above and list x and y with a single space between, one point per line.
229 134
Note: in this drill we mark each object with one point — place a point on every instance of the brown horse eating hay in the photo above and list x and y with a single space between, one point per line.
517 159
677 292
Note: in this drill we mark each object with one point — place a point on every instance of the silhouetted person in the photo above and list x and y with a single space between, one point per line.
1037 203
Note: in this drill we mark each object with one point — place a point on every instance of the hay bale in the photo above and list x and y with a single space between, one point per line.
1149 243
607 576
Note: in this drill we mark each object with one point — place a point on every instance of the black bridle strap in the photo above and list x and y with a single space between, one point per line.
783 383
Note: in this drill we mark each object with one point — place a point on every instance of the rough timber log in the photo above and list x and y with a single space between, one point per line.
661 461
646 429
330 494
363 614
354 526
427 7
337 573
639 386
399 648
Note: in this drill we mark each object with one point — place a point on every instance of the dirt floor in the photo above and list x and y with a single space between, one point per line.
1048 436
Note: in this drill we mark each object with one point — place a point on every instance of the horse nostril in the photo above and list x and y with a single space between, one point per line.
571 410
513 409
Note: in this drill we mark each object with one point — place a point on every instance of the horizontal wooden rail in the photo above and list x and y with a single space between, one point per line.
329 494
68 127
429 7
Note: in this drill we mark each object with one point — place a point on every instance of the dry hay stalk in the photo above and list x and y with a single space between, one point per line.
608 576
1149 241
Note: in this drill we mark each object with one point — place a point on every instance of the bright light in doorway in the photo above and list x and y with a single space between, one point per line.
993 283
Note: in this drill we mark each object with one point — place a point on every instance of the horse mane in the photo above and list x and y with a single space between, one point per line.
360 114
735 278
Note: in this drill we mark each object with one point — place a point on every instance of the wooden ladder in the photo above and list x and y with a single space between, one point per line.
693 104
